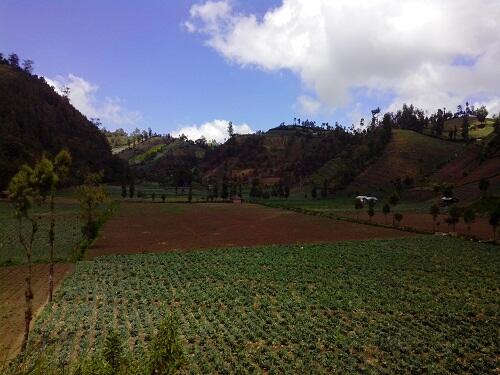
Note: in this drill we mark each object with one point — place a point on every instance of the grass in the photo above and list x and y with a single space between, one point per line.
426 304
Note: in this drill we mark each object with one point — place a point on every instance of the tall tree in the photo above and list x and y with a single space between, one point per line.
434 211
484 185
469 218
465 128
23 192
90 195
61 167
230 129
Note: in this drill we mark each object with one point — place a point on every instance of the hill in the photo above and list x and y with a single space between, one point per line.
35 119
481 161
409 156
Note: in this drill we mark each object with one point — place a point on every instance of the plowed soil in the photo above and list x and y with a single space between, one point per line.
157 227
12 303
479 229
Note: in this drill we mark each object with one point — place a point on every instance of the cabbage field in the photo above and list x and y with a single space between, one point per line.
425 304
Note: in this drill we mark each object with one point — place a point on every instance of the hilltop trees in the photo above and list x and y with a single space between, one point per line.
469 218
481 114
386 210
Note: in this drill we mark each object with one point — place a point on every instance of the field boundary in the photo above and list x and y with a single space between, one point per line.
367 222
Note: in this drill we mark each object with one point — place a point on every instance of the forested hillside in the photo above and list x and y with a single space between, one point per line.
35 119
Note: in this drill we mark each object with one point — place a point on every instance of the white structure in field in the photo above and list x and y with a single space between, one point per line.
366 199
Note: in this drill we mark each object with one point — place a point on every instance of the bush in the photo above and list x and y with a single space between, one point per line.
166 355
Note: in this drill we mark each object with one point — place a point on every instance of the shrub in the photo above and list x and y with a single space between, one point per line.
166 355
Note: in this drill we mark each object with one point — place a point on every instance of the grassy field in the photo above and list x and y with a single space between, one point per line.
426 305
476 129
68 234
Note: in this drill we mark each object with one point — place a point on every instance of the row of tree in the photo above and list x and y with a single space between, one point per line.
35 186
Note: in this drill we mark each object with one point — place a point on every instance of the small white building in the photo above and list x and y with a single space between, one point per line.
366 199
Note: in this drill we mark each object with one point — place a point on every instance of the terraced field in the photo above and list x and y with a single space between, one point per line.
427 305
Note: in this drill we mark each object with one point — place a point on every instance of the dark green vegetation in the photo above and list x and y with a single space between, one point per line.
427 304
35 119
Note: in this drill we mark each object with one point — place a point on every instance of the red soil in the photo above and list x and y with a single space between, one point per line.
12 284
149 227
421 221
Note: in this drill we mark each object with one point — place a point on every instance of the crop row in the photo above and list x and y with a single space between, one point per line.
416 305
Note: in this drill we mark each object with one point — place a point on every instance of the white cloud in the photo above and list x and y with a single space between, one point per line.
406 48
82 95
213 130
308 105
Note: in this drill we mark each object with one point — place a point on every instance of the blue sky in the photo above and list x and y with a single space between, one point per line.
327 60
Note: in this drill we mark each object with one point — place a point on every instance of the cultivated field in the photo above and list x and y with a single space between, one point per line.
68 233
157 227
12 301
427 305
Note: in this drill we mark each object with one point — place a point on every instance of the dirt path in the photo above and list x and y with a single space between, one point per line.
12 283
156 227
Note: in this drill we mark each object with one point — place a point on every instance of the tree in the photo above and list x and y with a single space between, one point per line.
190 193
28 66
495 221
90 195
124 190
454 216
465 128
224 193
153 196
371 210
287 191
131 189
469 218
324 190
434 211
393 201
386 210
397 218
163 197
484 185
62 164
23 192
14 60
230 129
481 114
314 192
358 205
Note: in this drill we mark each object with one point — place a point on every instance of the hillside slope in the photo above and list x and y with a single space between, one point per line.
409 154
481 161
35 119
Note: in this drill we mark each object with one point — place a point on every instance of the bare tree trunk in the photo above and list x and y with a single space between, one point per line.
28 294
51 241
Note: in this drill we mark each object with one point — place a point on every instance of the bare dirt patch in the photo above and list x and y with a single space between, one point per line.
12 284
156 227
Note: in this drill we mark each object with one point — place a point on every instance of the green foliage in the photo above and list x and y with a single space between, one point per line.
35 120
90 195
113 350
166 352
291 309
394 199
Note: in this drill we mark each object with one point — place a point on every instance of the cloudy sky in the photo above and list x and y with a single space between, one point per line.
191 66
